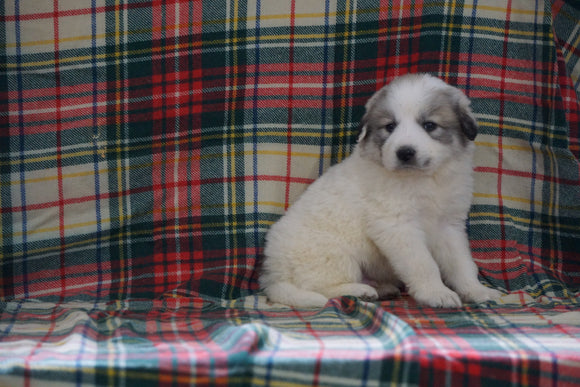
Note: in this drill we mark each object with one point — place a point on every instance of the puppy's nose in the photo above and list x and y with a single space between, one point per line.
406 153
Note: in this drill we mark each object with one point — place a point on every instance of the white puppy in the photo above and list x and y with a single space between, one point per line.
392 213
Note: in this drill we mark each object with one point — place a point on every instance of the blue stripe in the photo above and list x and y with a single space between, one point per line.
470 51
255 129
340 314
270 364
469 64
13 319
533 130
191 242
24 212
324 84
98 253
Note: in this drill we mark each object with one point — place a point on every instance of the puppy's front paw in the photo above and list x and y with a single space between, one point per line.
440 297
479 293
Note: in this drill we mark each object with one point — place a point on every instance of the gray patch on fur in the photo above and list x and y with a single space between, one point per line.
374 121
453 120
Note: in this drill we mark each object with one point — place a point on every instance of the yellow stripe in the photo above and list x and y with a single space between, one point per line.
497 30
233 40
293 153
519 128
144 374
345 60
120 174
525 200
275 383
496 215
576 42
571 53
158 163
319 15
548 226
553 198
51 42
52 178
148 165
73 226
175 143
503 10
510 198
57 228
244 204
232 142
510 147
473 215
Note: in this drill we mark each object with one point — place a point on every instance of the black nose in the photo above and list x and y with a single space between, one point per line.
405 153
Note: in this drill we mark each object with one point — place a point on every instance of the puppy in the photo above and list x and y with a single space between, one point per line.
391 214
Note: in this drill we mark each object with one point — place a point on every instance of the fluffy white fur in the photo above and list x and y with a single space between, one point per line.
381 219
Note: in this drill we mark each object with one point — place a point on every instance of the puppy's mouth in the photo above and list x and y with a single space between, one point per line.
414 165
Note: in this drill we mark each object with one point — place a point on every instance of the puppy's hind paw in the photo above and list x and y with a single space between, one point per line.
362 291
387 291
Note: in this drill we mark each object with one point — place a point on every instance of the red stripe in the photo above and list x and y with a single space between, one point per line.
58 100
320 353
569 47
557 7
27 370
267 74
143 111
47 283
519 249
500 147
527 175
380 63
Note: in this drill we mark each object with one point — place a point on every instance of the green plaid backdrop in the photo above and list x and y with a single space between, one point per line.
146 147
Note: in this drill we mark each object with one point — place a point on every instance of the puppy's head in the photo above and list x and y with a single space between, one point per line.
416 122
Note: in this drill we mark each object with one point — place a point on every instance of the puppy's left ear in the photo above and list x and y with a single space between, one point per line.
467 121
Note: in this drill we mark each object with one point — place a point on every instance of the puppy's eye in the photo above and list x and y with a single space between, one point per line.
390 127
429 126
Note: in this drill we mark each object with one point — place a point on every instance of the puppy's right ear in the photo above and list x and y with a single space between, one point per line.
362 129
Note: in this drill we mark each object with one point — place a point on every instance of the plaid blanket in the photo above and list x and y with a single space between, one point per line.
146 147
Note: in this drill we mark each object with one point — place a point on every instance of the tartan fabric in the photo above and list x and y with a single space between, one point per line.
146 147
247 342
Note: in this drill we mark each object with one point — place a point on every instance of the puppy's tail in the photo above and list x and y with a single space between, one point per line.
289 294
